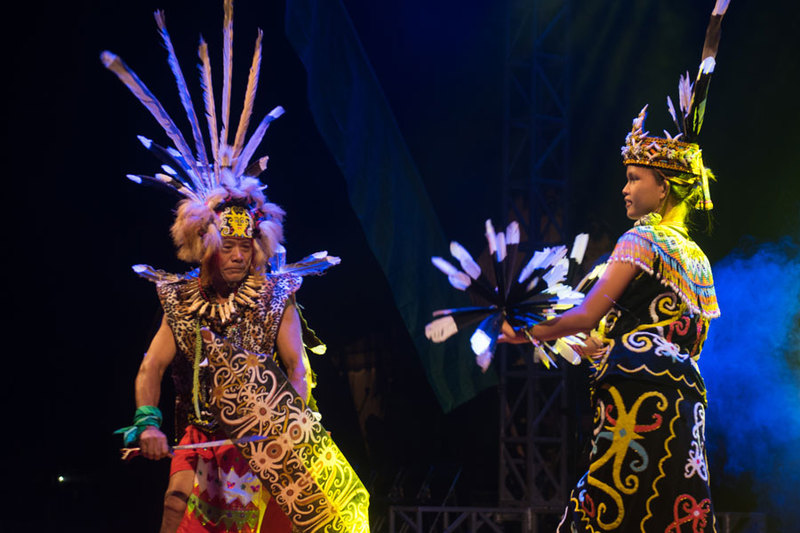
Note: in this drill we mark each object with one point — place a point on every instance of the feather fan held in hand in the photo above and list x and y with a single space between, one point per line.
521 295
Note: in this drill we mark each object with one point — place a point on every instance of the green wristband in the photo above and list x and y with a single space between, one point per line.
145 416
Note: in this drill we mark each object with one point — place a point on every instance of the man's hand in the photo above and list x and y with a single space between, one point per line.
153 443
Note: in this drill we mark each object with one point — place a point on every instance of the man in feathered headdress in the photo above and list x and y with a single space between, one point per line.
223 325
231 296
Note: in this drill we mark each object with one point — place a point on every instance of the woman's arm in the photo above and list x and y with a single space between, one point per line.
586 316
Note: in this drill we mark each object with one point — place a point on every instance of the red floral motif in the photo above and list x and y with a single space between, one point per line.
587 505
679 327
639 428
696 513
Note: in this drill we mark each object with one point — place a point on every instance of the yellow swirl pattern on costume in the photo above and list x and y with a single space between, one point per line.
667 455
623 431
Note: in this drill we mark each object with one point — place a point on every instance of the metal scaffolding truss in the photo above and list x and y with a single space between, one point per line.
534 425
534 430
458 519
535 140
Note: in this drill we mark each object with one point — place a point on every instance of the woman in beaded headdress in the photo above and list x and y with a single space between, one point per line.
649 316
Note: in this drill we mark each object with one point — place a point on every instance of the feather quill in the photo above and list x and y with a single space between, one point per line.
465 259
671 109
183 92
227 72
127 76
312 265
249 98
700 97
513 258
256 167
168 158
164 180
464 310
208 100
685 99
250 148
579 247
441 329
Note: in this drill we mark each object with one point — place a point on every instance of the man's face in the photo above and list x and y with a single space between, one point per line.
234 258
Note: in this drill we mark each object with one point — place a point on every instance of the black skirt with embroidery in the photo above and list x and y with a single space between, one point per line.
648 469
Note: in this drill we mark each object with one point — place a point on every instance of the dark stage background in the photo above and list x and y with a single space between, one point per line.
81 319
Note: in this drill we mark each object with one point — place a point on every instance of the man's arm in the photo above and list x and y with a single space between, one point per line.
148 387
292 352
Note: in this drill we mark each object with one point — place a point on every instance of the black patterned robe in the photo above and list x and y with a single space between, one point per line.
648 470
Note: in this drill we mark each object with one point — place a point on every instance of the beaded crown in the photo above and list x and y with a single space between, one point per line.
668 153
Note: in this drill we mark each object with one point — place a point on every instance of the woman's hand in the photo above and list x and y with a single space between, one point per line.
593 348
511 336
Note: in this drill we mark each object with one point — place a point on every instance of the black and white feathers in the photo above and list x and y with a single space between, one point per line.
313 265
523 293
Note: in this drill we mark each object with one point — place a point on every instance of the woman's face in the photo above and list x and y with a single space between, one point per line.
643 193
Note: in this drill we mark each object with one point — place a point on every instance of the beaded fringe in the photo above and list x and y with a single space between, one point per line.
677 262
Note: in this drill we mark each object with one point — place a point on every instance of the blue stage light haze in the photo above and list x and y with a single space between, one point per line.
751 364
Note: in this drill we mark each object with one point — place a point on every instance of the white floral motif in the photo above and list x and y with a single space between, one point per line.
292 494
265 458
302 425
642 341
665 348
696 463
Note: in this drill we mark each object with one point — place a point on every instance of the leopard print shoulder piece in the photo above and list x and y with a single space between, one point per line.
252 315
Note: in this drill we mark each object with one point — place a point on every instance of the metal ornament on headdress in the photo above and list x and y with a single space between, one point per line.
236 221
229 174
681 152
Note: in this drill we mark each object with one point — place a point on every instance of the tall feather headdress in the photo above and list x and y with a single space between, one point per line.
228 177
680 152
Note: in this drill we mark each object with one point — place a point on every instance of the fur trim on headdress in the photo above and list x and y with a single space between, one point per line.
196 227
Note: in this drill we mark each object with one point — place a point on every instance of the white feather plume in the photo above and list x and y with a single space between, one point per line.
469 264
441 329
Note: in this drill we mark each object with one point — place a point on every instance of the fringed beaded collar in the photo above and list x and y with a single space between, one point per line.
667 253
